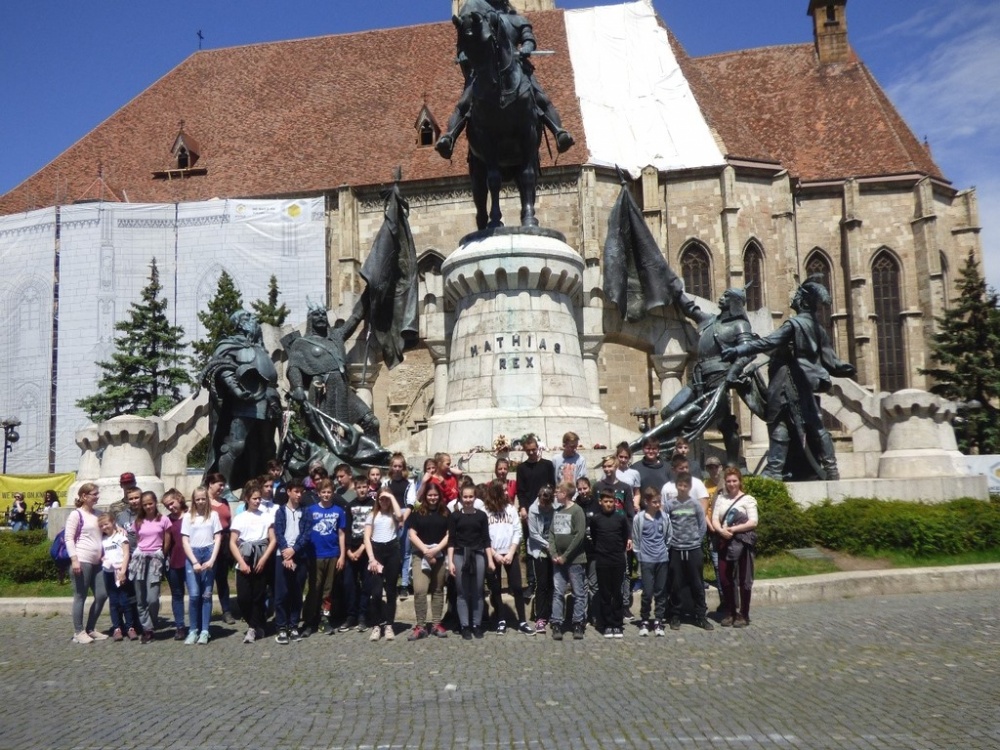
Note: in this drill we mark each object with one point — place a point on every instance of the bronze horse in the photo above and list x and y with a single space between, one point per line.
503 131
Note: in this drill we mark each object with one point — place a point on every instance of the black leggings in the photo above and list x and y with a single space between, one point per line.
387 553
513 585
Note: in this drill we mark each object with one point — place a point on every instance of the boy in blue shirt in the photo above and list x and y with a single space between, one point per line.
329 522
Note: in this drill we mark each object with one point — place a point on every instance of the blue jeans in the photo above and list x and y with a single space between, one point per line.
199 586
121 612
654 586
19 526
357 587
175 578
572 575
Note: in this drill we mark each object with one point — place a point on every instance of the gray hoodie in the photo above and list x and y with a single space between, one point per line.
687 522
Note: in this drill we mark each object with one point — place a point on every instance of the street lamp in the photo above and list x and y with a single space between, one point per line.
10 437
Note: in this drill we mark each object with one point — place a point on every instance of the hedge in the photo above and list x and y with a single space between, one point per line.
24 557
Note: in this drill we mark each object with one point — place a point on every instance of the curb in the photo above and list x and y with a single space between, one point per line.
777 592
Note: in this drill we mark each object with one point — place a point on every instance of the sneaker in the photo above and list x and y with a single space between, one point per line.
295 635
727 621
227 617
203 638
147 636
388 633
675 623
643 630
704 623
619 633
609 632
539 627
466 634
525 627
97 635
439 631
658 629
502 627
192 638
82 637
180 633
251 636
477 632
557 633
403 594
281 637
627 615
132 635
578 630
350 624
740 621
328 628
376 634
416 634
362 626
117 635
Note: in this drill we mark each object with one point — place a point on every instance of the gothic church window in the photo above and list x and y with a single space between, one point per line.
817 266
696 269
753 275
889 321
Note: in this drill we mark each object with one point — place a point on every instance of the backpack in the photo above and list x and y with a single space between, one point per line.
58 551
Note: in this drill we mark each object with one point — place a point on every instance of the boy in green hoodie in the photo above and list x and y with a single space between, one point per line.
569 560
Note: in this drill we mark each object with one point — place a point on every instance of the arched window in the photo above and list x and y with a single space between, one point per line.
818 266
753 275
945 283
888 321
696 268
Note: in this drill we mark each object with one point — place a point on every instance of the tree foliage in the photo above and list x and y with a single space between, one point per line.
270 312
215 320
966 352
147 370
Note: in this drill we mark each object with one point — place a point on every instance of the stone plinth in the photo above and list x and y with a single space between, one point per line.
921 441
515 362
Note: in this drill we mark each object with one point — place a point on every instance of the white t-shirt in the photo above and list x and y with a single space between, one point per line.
698 490
383 527
252 525
114 550
199 530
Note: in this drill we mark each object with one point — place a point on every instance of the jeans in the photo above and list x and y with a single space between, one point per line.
88 579
19 526
199 587
384 613
654 586
121 613
147 592
571 574
406 547
288 588
469 584
357 587
175 579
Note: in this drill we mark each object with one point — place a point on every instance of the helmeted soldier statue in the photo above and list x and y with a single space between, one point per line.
244 407
520 30
802 362
705 400
317 372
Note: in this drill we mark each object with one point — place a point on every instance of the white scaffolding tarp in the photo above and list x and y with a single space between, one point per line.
637 106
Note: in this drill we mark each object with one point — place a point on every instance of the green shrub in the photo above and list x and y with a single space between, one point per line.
867 525
24 557
782 525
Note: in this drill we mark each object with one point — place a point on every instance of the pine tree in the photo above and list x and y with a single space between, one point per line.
966 350
270 312
215 320
147 370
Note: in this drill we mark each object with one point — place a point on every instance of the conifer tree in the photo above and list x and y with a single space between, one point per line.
147 371
270 312
966 350
215 320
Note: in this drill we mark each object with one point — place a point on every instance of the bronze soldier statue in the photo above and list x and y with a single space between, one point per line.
244 407
519 29
802 362
705 400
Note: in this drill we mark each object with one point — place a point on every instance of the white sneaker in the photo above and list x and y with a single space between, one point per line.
97 635
82 637
659 629
251 636
376 634
643 630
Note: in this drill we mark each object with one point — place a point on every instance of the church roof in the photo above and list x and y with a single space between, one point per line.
304 116
820 122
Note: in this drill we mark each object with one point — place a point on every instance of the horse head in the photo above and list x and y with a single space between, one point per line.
484 41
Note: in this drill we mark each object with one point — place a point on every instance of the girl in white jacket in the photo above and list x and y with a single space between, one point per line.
505 538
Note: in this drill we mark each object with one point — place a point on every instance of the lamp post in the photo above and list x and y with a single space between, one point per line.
10 437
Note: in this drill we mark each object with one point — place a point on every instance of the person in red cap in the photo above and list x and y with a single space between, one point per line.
127 481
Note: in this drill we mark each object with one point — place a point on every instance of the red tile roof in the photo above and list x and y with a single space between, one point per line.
819 121
292 117
305 116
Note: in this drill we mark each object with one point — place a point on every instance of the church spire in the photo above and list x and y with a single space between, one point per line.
830 30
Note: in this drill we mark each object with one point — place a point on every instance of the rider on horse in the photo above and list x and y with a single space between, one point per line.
520 31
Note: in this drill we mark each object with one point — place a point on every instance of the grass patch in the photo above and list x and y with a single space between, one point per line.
784 565
11 590
908 560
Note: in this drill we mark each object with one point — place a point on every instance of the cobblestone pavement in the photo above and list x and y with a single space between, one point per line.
913 671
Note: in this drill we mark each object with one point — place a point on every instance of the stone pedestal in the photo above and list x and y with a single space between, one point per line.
126 443
921 441
515 361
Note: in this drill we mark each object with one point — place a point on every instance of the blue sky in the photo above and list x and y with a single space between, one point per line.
66 65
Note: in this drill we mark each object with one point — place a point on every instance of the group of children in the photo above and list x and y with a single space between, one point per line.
328 555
